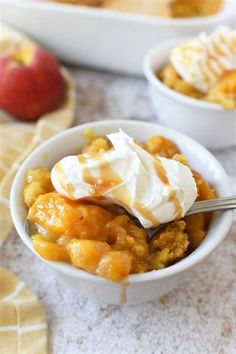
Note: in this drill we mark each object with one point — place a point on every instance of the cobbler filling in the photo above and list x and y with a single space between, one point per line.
204 67
222 93
160 8
104 241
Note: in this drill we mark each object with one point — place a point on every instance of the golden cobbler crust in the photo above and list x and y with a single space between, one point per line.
177 8
223 93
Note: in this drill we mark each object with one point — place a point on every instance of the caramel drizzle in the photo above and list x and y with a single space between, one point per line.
173 198
161 172
211 69
67 187
206 77
147 214
217 49
84 158
230 46
218 52
106 180
215 57
221 66
123 196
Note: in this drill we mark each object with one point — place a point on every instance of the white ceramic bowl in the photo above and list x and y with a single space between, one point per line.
141 287
100 38
208 123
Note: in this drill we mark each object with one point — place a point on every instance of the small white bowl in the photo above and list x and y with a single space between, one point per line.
138 287
208 123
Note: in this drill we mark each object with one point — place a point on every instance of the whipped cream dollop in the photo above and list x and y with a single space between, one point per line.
154 190
203 60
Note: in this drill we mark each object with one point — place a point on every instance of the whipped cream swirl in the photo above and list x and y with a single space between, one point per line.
203 60
155 190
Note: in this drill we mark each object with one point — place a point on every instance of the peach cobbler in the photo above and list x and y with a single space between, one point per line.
204 68
79 209
160 8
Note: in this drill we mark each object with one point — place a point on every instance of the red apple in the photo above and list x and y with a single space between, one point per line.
31 83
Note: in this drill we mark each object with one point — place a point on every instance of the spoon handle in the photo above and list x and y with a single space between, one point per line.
213 205
204 206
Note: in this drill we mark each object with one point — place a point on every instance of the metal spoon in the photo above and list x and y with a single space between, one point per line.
204 206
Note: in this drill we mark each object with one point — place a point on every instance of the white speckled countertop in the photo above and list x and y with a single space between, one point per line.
197 318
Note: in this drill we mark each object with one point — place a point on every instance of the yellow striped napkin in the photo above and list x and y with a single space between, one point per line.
23 327
17 140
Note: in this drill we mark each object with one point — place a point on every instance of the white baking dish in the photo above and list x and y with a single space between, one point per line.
100 38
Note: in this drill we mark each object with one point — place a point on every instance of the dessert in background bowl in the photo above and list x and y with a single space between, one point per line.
166 8
93 3
193 85
159 8
205 68
74 228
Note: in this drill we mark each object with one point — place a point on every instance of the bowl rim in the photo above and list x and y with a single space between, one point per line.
194 258
158 84
131 17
